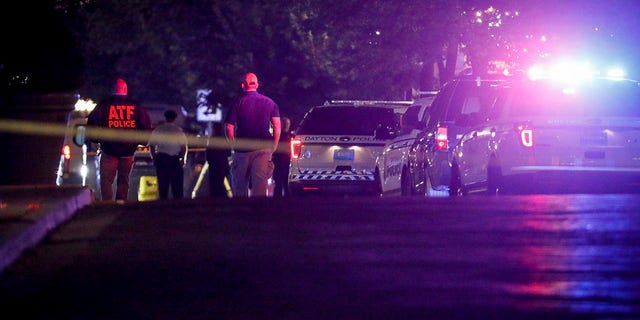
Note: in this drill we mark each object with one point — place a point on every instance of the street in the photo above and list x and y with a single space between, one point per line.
476 257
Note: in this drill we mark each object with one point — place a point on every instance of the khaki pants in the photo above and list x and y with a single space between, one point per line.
251 170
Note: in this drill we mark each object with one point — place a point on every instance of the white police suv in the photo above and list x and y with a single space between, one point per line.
393 164
78 165
554 132
335 147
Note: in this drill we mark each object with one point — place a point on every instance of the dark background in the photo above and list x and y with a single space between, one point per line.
304 53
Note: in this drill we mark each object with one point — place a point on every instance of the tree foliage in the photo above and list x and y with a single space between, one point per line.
304 52
40 55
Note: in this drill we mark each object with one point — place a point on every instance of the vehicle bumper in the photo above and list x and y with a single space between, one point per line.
316 182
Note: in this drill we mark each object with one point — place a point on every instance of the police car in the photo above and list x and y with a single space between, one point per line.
335 147
78 163
393 164
554 132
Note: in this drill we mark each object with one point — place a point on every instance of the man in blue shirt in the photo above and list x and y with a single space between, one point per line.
253 128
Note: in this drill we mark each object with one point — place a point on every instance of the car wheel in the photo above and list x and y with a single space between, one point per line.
417 176
406 183
455 186
378 184
494 175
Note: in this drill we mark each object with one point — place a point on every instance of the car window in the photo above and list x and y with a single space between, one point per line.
440 103
470 99
606 98
346 120
410 119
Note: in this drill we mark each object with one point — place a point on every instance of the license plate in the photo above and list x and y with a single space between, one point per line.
343 154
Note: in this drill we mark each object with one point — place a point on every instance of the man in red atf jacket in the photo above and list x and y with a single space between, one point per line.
122 116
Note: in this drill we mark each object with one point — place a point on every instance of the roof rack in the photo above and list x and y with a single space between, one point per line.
369 102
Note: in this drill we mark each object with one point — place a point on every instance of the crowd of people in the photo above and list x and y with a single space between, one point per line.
252 129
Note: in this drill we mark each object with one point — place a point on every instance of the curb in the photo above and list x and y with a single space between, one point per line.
55 206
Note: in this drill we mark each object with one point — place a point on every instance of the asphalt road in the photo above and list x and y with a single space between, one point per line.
510 257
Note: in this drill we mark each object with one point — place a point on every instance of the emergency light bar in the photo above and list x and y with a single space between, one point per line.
571 72
370 102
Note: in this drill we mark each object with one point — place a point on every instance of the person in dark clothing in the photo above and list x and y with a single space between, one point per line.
253 129
281 161
119 116
218 158
169 150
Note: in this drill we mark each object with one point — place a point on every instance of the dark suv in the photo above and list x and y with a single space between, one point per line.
454 111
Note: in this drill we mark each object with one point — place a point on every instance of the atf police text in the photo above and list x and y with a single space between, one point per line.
121 116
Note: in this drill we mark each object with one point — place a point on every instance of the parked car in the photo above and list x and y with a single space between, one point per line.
550 136
456 108
78 163
334 149
393 164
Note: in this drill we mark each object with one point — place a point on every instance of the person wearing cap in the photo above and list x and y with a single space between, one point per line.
169 149
253 129
127 125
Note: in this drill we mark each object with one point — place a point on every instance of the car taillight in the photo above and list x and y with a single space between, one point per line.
66 152
296 146
441 139
526 136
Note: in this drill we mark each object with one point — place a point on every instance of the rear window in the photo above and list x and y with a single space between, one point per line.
347 120
603 98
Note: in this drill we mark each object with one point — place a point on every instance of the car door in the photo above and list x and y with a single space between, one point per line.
392 163
474 143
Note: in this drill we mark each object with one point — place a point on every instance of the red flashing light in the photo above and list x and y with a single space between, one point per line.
296 147
441 139
66 152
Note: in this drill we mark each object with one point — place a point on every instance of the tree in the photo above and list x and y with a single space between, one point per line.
305 52
41 57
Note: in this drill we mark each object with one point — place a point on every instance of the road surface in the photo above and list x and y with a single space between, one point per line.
515 257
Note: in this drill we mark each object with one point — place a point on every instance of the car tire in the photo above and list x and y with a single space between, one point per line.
494 177
417 176
406 183
378 184
455 185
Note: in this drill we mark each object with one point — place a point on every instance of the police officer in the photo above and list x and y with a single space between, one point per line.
251 118
122 116
169 150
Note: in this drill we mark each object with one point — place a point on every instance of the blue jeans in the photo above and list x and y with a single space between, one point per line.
110 167
251 170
